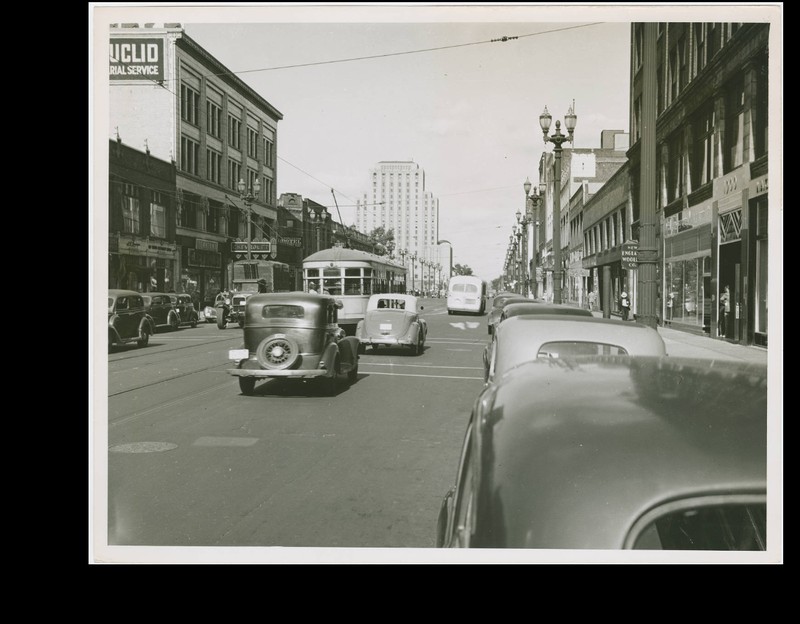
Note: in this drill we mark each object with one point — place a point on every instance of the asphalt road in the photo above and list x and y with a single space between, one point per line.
192 462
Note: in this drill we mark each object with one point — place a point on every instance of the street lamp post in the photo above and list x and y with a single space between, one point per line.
318 219
531 218
557 139
413 258
248 195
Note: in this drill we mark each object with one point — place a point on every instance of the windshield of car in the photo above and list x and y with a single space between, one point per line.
283 311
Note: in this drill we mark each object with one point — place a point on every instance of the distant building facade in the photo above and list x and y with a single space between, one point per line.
584 170
398 200
169 93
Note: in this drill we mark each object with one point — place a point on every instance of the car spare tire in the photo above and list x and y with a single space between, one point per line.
277 352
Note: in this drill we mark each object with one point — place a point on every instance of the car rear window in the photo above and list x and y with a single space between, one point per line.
717 527
281 311
573 348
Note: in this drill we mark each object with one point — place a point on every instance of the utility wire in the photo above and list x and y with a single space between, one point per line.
390 54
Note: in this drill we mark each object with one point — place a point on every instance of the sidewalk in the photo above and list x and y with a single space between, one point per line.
685 344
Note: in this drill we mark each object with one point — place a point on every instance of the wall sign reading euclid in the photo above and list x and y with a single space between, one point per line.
135 59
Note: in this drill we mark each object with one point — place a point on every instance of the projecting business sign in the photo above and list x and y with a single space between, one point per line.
136 59
630 254
256 246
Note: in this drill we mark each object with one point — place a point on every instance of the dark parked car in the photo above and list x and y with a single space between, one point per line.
614 452
498 302
161 309
183 303
294 336
393 320
127 320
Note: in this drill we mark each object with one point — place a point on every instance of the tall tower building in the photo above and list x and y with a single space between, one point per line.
397 200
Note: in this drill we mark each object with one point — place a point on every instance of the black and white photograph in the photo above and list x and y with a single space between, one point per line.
435 283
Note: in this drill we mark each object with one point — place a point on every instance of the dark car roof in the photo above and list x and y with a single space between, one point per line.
296 298
574 451
501 300
121 292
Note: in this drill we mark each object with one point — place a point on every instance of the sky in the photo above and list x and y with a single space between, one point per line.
362 84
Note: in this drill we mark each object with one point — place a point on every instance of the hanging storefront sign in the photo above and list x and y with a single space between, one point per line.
630 254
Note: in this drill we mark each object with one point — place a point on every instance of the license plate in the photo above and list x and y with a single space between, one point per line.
238 354
386 326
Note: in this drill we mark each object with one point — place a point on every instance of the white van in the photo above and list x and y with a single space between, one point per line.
466 293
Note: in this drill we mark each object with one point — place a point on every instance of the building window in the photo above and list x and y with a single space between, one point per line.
699 47
252 176
683 73
234 173
675 167
703 149
234 132
734 128
714 37
761 131
190 101
660 90
673 74
213 165
637 119
269 157
269 189
190 152
252 143
158 215
213 118
131 222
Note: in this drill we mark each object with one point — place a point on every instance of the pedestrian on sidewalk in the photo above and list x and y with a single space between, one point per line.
724 310
625 305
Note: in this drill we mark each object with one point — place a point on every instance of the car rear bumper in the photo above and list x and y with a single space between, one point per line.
263 373
385 340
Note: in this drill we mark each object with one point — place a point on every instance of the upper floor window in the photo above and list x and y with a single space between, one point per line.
761 132
703 149
675 167
234 173
699 47
734 126
213 119
190 101
158 215
234 132
190 152
131 222
213 165
252 143
269 156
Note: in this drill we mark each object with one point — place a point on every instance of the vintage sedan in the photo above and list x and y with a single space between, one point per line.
521 339
127 319
294 336
161 309
393 320
183 303
498 302
529 307
614 453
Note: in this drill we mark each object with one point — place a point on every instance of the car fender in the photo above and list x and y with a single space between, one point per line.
348 349
147 325
329 356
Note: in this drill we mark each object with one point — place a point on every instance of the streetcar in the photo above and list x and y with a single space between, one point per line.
352 276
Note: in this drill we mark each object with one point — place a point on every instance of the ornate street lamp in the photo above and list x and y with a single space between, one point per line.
413 258
248 195
557 139
318 218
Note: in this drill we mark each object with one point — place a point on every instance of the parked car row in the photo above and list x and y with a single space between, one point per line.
134 316
587 436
